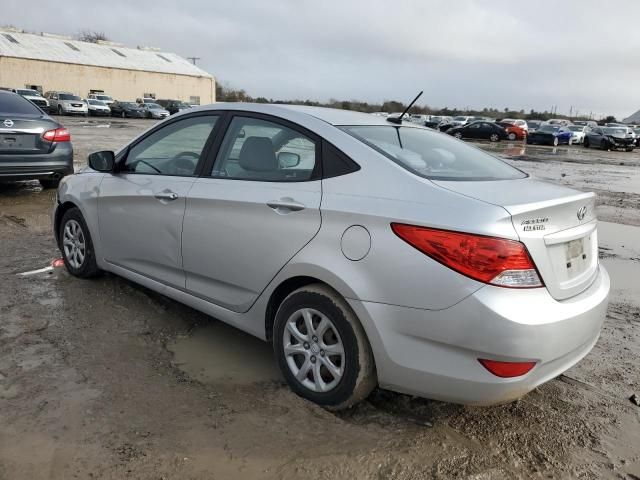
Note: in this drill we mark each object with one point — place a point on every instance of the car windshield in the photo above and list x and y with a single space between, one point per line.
549 128
459 118
96 102
68 96
32 93
436 119
128 104
433 155
615 131
576 128
154 106
15 104
103 97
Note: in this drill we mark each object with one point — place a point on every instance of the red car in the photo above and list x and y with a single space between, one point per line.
513 131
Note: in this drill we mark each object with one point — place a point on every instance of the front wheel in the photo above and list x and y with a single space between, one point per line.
512 136
124 115
585 144
555 141
321 348
458 135
76 245
604 145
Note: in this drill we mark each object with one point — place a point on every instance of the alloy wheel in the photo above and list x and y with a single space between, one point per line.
74 244
494 137
314 350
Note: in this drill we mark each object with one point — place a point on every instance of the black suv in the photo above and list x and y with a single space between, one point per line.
173 106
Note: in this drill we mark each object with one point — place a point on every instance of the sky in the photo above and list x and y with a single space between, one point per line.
572 54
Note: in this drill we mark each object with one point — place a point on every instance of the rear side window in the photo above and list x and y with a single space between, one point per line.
433 155
13 103
335 163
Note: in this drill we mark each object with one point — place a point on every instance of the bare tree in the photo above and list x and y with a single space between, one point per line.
91 36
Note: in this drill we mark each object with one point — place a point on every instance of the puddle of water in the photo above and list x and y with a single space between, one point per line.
219 353
624 279
622 240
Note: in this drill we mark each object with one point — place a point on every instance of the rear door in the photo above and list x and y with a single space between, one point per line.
141 208
257 206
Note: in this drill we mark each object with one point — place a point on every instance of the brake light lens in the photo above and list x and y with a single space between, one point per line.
507 369
57 135
492 260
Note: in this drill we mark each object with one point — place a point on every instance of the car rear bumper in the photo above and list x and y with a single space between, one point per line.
35 167
435 354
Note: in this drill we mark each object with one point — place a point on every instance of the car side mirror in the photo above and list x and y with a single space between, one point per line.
288 159
103 161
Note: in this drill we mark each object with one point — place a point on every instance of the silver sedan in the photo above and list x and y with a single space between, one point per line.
368 253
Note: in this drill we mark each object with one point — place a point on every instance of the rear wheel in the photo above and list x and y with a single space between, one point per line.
76 245
50 183
322 349
124 115
494 137
458 135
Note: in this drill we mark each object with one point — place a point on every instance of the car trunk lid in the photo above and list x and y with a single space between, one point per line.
557 225
23 135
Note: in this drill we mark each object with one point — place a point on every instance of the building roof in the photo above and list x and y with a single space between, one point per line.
54 48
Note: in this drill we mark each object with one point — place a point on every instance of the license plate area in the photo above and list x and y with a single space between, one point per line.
575 256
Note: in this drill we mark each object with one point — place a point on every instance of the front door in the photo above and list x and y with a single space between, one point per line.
141 208
258 206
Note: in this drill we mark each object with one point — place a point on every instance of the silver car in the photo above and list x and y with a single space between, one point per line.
66 103
368 253
153 110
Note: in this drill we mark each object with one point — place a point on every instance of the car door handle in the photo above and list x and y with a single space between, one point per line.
169 196
285 204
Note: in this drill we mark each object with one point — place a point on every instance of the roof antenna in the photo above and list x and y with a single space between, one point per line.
398 120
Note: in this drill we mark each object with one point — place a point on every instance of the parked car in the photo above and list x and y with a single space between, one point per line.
434 121
637 132
66 103
98 107
173 106
33 96
460 120
549 134
533 125
577 134
479 131
33 146
559 121
434 284
514 132
418 118
153 110
126 110
610 138
103 97
517 122
586 123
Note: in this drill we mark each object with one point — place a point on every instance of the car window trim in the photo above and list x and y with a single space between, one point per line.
122 158
316 173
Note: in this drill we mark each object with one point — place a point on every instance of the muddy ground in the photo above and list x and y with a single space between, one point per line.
104 379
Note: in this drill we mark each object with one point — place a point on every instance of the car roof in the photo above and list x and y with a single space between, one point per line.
332 116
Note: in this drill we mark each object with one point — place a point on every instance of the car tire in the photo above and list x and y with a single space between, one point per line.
124 115
50 183
74 236
494 137
604 145
512 136
585 144
301 354
59 110
556 142
630 149
458 135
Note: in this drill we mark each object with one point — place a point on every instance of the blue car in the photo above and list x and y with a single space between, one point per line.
550 135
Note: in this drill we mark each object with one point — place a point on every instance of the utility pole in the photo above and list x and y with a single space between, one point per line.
193 59
570 111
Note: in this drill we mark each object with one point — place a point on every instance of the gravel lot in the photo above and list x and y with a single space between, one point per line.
104 379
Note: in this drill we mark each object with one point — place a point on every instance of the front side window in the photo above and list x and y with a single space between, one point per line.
173 150
432 154
255 149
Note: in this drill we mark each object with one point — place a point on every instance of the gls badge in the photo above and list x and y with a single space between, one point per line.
582 212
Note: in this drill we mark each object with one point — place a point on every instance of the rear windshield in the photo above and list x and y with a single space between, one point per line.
68 96
17 105
433 155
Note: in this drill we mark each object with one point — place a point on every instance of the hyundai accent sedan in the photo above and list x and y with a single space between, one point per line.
368 253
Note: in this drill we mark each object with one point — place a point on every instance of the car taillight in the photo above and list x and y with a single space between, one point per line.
57 135
496 261
507 369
